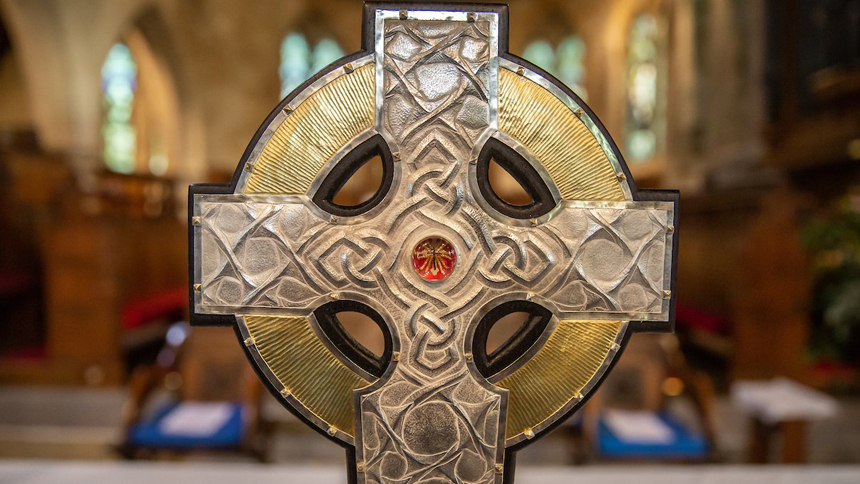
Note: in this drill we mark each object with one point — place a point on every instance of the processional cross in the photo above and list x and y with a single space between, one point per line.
435 257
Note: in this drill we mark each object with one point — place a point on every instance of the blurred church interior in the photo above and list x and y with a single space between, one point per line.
108 110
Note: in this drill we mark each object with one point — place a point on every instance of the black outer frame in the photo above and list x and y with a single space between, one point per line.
368 47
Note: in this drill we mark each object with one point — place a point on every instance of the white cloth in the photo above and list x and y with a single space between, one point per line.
781 400
196 419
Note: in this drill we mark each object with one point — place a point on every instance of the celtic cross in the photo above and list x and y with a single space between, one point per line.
435 257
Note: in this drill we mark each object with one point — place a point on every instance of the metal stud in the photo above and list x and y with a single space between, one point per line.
534 221
396 156
404 15
470 17
331 431
287 110
500 468
521 71
249 167
615 347
195 221
359 466
621 176
469 356
249 341
198 288
473 160
285 393
579 113
670 229
348 68
395 356
529 296
333 219
333 296
529 433
667 294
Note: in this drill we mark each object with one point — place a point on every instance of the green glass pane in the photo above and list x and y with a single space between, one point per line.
541 54
326 52
642 88
119 82
570 57
295 62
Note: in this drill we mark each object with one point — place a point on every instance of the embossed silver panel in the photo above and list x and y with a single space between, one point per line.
432 417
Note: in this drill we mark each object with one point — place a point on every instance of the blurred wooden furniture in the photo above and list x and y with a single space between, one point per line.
780 410
201 395
648 384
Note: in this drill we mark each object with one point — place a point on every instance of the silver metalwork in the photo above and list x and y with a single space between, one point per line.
432 417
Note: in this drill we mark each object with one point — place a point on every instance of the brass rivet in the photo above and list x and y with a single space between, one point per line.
404 15
287 110
521 71
670 228
615 347
578 397
333 296
348 68
333 219
621 176
195 221
331 431
359 466
473 160
285 393
249 167
395 356
579 112
470 17
469 356
198 288
667 294
534 221
529 433
249 341
396 156
500 468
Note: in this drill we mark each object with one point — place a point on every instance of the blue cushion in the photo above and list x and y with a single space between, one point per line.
685 444
150 434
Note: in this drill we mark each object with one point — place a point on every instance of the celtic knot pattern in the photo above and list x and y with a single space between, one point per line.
431 420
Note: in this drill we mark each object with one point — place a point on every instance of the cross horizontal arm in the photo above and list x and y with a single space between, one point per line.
278 255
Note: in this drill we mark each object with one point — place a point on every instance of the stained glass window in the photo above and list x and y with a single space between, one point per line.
566 61
299 61
119 82
643 88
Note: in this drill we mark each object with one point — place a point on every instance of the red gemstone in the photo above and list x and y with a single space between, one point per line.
434 258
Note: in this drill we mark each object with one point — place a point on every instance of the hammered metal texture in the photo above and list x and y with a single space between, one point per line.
258 255
539 389
313 132
558 138
309 371
432 418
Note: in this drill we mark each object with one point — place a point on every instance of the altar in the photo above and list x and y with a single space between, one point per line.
52 472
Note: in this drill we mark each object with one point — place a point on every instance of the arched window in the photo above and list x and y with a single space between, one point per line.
566 61
645 78
299 61
119 83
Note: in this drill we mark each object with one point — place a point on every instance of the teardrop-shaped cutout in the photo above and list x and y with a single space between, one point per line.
363 330
362 185
531 199
506 333
507 187
358 333
359 181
